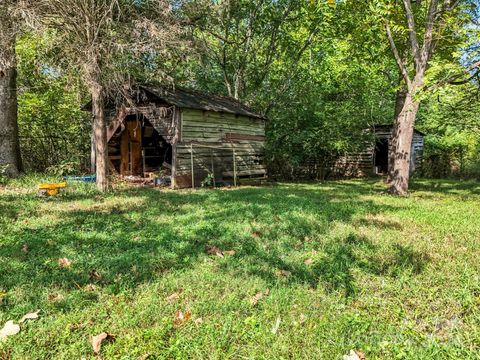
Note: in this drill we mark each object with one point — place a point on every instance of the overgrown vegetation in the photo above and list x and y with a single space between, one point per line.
321 71
345 267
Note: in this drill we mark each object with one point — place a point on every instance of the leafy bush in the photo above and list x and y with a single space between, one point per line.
208 181
3 174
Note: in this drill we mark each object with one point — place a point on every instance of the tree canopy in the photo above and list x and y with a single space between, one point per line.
321 72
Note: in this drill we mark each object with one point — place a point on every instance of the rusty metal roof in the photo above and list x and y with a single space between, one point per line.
192 99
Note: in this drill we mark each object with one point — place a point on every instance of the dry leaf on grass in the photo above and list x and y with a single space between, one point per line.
258 296
97 340
25 248
213 250
29 316
181 317
256 234
283 273
64 262
360 355
89 288
198 321
308 262
354 355
229 252
9 329
94 274
55 297
171 298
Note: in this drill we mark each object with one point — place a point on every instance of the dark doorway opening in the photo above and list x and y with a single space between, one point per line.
137 148
381 156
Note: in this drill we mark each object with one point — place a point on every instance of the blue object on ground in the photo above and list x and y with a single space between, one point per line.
86 178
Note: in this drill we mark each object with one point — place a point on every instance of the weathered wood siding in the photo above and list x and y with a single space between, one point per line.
214 138
362 163
417 154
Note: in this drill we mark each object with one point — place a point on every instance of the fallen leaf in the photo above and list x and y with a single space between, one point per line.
352 355
9 329
308 262
25 248
276 325
360 355
181 317
29 316
229 252
213 250
94 274
171 298
89 287
283 273
256 234
64 262
258 296
198 321
55 297
97 340
301 319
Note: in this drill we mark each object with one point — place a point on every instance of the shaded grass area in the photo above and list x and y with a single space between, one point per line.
392 277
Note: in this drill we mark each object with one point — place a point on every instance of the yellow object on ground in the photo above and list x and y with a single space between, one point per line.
51 189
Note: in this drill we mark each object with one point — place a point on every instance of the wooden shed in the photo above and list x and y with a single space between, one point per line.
373 160
188 135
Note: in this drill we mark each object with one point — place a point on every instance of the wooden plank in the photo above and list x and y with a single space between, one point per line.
244 173
124 154
238 136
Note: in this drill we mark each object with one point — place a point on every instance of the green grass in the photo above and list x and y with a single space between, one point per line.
397 278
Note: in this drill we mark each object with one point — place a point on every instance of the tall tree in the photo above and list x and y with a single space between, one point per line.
9 141
96 36
426 22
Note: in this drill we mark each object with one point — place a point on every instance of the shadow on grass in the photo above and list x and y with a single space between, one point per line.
469 187
136 235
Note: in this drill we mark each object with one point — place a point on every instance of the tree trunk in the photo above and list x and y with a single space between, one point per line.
400 97
100 134
9 141
401 143
92 149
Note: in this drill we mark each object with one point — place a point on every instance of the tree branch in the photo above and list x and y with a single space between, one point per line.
398 59
412 32
428 37
453 79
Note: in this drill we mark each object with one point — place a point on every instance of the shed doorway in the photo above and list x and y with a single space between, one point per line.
381 156
137 148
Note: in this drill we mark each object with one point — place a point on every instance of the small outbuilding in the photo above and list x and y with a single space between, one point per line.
189 136
373 160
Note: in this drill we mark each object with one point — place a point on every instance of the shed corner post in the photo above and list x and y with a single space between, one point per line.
191 164
234 168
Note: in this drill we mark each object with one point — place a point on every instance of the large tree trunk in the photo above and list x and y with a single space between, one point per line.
100 134
9 141
400 149
399 103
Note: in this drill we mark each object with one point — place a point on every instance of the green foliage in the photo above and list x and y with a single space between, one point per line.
3 174
321 71
451 119
392 277
53 129
208 181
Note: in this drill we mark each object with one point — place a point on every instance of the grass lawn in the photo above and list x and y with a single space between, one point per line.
339 265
